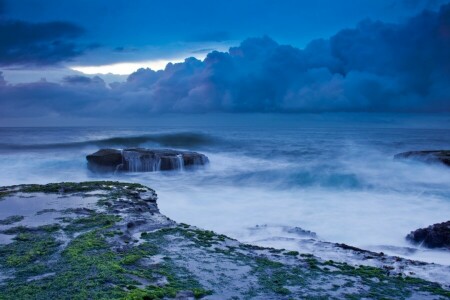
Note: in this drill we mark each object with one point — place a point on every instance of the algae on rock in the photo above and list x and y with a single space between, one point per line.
121 247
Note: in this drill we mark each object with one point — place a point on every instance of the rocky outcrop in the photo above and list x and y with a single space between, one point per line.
442 156
144 160
108 240
434 236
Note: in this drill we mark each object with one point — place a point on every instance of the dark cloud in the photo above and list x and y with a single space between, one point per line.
375 67
204 50
23 43
122 49
84 81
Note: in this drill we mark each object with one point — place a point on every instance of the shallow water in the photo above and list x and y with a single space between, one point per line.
333 176
39 209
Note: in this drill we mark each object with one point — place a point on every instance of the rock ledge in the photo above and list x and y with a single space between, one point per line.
144 160
442 156
434 236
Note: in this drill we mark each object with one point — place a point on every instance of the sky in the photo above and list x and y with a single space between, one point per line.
144 57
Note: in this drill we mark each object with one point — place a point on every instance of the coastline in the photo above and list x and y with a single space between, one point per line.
110 240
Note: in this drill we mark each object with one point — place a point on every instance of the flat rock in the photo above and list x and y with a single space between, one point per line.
144 160
124 248
442 156
434 236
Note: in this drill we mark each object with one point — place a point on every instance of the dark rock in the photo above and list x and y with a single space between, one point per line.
442 156
144 160
348 247
79 211
300 231
105 160
434 236
136 223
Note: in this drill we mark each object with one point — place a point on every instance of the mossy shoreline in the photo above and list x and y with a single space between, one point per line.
125 249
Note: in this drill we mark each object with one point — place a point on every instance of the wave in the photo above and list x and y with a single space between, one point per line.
185 139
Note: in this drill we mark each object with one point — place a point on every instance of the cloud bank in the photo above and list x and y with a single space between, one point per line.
47 43
23 43
375 67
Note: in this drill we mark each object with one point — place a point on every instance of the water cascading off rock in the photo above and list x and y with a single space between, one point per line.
144 160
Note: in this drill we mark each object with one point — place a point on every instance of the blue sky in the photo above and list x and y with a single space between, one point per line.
222 56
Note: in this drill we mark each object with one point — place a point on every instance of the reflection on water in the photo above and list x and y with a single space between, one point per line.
38 209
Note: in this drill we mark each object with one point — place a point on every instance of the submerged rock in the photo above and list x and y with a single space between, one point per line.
442 156
434 236
144 160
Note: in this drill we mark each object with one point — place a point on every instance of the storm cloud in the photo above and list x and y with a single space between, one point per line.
374 67
25 43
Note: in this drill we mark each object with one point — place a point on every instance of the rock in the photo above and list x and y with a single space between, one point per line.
434 236
144 160
300 231
442 156
105 159
118 252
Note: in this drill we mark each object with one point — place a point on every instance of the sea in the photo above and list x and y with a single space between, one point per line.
270 175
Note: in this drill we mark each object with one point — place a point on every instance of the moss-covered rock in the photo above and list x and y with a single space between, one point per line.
123 248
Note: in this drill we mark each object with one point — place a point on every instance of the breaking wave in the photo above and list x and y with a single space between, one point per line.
181 140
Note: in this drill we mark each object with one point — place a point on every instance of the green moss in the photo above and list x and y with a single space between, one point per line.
23 229
102 220
386 286
162 293
89 268
276 277
307 255
50 228
27 248
131 259
23 236
312 263
16 230
200 293
76 187
112 233
11 220
253 247
292 253
204 238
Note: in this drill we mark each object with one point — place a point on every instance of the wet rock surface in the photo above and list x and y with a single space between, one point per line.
442 156
144 160
434 236
122 247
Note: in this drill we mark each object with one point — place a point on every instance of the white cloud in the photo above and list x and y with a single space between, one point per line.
125 68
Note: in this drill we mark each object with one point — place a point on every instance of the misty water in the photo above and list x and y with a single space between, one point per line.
334 176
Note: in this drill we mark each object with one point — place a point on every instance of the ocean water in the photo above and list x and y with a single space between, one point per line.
335 176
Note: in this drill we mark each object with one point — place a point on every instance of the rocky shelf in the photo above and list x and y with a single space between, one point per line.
144 160
108 240
434 236
442 156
